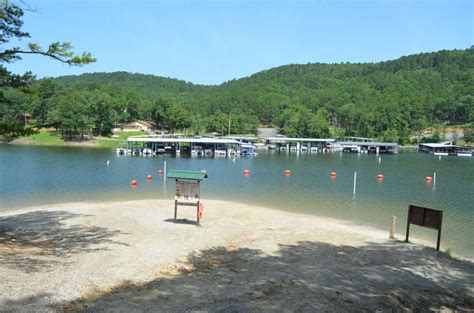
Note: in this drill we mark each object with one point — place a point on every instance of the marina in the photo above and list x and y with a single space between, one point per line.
244 146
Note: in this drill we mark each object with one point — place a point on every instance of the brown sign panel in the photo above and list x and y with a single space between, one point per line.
425 217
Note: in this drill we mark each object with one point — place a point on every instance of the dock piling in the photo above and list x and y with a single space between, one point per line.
355 182
164 170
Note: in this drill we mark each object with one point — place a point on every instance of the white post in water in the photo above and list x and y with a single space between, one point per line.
434 178
392 227
164 170
355 182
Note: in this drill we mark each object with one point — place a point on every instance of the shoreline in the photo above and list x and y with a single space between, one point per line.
93 255
382 233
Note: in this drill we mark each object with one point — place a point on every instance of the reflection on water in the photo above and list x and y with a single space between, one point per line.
40 175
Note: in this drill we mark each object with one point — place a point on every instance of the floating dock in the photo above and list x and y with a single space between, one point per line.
299 144
194 146
225 146
368 147
444 149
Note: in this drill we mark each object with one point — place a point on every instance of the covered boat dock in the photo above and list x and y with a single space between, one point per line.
444 149
368 147
299 144
195 146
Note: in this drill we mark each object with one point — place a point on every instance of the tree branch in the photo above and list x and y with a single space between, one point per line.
12 52
73 60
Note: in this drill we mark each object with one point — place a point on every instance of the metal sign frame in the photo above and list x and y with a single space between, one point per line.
425 217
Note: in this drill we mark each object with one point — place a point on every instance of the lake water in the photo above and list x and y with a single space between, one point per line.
33 176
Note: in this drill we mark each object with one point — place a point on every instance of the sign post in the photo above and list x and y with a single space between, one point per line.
425 217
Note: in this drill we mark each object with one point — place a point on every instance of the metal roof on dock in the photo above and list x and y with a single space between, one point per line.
300 139
182 140
439 145
371 143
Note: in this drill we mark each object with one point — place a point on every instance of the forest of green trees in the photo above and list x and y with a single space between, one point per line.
390 100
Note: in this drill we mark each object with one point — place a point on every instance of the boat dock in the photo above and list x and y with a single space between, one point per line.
444 149
368 147
233 146
194 146
282 143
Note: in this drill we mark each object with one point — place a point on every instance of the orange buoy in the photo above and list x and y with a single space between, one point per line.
149 177
333 174
380 176
287 173
246 172
428 179
134 182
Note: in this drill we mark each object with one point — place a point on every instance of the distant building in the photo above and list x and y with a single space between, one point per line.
28 118
135 126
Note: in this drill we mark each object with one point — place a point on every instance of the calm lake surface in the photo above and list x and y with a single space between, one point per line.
32 176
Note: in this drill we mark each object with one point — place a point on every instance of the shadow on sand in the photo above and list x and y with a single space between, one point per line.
306 277
32 241
184 221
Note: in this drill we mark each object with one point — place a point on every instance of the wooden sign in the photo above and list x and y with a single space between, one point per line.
425 217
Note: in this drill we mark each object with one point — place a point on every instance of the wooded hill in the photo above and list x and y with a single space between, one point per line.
390 100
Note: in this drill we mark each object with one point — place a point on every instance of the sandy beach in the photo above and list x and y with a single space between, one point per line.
131 257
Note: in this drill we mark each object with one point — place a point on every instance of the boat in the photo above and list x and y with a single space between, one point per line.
248 153
246 149
147 152
334 147
196 151
121 151
136 152
160 149
220 153
260 146
232 153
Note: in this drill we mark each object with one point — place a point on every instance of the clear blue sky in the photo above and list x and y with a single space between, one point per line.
214 41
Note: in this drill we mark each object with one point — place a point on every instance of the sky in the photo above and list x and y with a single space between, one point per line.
209 42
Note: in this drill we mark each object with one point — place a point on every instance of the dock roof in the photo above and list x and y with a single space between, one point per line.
300 139
366 143
181 140
439 145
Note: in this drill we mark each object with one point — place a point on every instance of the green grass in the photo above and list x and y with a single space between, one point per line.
448 252
48 138
44 138
109 142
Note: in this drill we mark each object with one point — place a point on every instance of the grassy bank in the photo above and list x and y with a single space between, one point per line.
52 138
